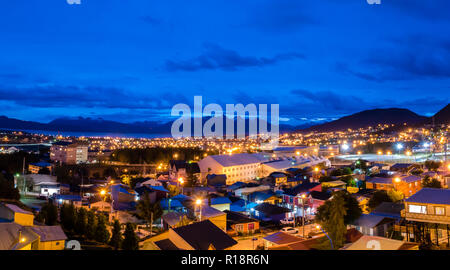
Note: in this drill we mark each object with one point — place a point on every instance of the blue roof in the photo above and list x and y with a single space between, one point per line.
369 220
251 205
181 197
236 185
159 188
173 204
41 164
431 195
239 203
220 200
237 208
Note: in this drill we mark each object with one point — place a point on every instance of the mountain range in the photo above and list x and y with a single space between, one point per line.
358 120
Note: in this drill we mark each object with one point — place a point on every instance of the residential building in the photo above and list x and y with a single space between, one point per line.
408 185
202 235
430 208
34 168
367 242
373 225
69 153
239 223
237 167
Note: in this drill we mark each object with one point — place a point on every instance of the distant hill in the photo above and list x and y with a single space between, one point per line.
443 116
106 126
370 118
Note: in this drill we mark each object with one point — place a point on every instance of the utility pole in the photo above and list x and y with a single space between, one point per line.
23 176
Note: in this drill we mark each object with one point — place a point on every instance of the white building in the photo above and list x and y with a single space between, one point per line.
237 167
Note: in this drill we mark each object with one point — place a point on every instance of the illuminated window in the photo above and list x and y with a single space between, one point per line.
439 210
419 209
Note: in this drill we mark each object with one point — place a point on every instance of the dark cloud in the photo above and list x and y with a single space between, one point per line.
215 57
410 58
60 96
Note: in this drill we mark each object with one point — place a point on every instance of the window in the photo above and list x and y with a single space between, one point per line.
419 209
439 210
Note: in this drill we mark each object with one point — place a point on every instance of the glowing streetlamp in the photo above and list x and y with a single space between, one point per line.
198 202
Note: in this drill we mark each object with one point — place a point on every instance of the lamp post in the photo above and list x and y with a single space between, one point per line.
198 202
303 214
331 241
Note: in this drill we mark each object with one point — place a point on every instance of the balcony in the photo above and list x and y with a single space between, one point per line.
425 217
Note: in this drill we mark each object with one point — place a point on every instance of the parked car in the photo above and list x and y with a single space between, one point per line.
287 221
289 230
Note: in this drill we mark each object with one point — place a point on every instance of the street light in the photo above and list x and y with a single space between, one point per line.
331 241
181 181
198 202
303 214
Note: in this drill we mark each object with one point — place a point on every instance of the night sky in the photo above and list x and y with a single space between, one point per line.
133 60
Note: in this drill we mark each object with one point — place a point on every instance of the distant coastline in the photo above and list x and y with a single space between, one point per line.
92 134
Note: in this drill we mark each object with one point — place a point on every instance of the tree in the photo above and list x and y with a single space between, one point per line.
147 210
48 214
81 221
395 195
361 164
68 216
7 189
331 216
101 232
91 224
191 180
377 198
353 210
429 182
130 241
116 237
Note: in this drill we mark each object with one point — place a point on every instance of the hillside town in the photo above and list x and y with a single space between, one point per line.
318 191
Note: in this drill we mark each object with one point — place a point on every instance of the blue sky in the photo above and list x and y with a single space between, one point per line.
133 60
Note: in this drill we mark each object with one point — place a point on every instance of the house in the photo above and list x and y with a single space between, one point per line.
245 191
216 180
13 236
372 225
238 223
18 231
363 197
13 213
220 203
202 235
403 167
264 197
182 169
292 197
206 212
280 239
380 243
50 237
430 206
34 168
174 219
270 212
389 209
237 167
61 199
279 178
317 198
408 185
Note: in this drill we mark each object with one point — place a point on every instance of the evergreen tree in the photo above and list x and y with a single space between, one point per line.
130 241
49 214
81 221
148 211
377 198
91 224
431 182
68 216
331 216
101 232
7 189
116 237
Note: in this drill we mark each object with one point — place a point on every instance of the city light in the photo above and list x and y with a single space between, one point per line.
103 192
397 179
345 147
198 202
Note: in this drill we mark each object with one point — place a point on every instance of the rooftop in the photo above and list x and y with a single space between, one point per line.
431 195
